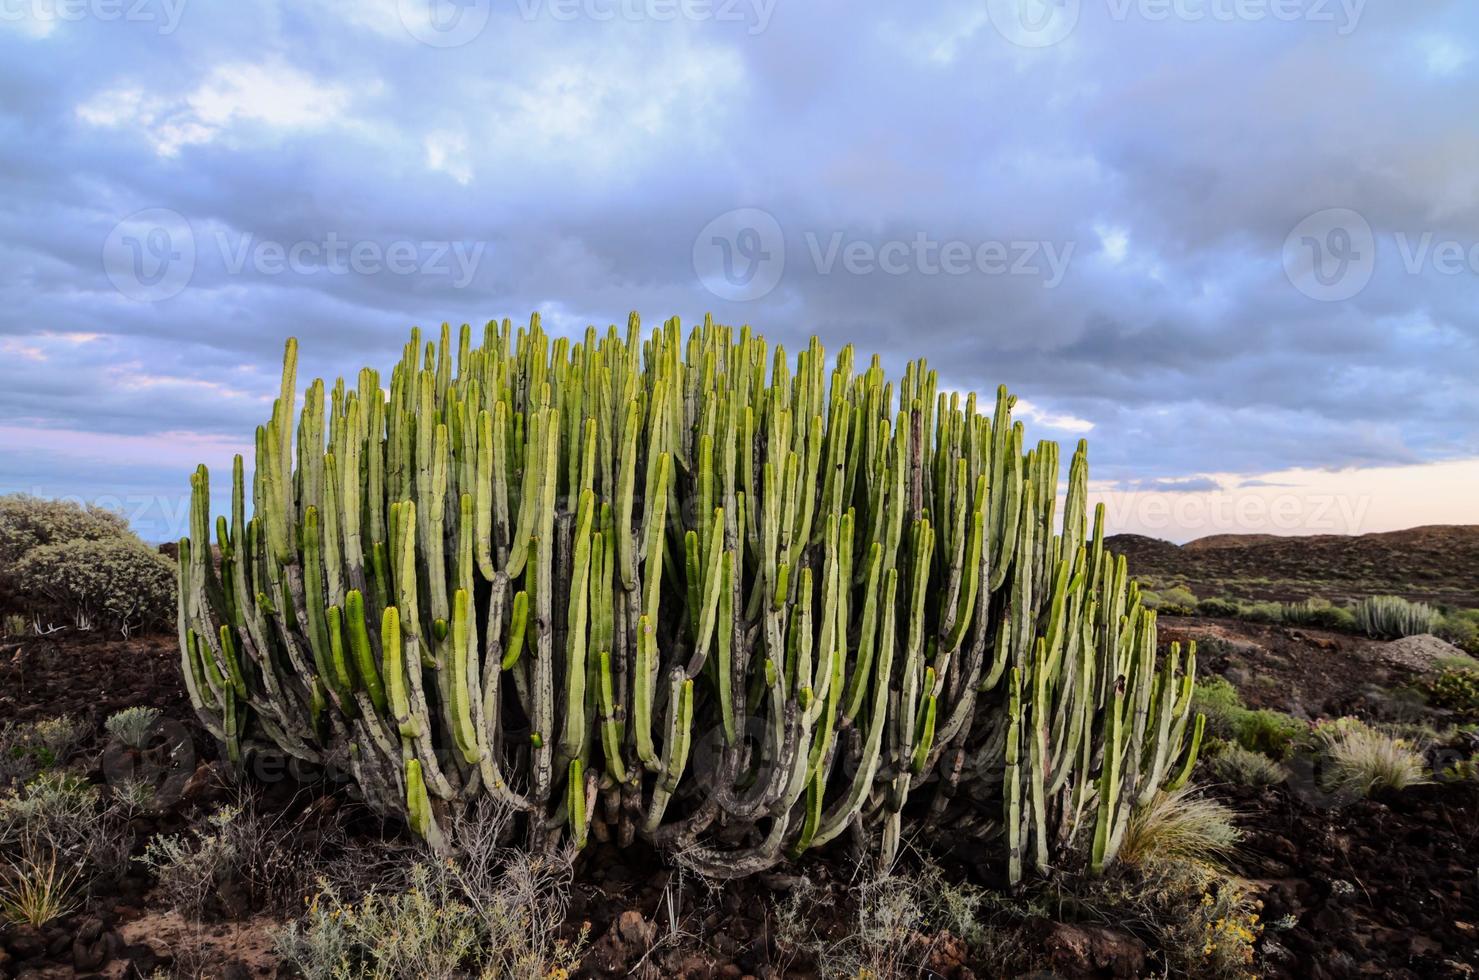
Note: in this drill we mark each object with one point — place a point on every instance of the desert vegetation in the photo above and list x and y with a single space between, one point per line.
677 656
65 564
551 575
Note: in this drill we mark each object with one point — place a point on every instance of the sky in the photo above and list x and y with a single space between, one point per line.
1232 243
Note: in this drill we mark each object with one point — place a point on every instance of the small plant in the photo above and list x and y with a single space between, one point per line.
1229 762
1319 614
188 871
1456 689
35 893
1180 826
55 812
16 626
1461 628
1362 760
1175 601
1219 606
1389 617
1204 923
431 927
1462 769
132 726
1271 733
892 914
26 750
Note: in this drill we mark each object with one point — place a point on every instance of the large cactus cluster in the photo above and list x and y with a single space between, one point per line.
684 589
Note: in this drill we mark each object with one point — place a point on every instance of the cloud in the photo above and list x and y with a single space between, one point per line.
1164 161
271 94
1200 484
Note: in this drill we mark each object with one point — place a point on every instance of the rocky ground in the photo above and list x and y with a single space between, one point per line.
1428 564
1387 887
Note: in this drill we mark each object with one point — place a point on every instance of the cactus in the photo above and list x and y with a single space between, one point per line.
1390 617
685 588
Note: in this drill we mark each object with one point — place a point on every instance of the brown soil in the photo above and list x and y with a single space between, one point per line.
1372 888
90 676
1386 887
1307 673
1431 564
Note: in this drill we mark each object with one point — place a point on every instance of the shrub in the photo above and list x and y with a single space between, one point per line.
1271 733
1456 689
26 750
884 933
240 853
1219 606
1320 614
1389 617
485 910
132 726
54 812
1361 760
1231 763
1204 922
28 522
1461 628
119 583
1271 613
1175 601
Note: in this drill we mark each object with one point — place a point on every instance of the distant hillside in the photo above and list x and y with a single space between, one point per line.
1438 563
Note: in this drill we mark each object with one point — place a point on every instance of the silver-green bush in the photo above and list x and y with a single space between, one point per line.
28 522
118 583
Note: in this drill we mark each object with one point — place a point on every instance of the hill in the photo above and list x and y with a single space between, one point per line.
1436 563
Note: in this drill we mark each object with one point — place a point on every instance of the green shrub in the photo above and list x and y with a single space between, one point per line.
1263 612
26 750
1271 733
1461 628
1229 762
1175 601
119 583
55 812
1219 606
1457 690
28 522
1389 617
1320 614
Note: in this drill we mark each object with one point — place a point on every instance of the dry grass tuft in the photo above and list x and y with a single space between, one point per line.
1180 826
1362 760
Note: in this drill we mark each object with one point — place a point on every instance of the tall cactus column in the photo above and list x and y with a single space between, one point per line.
682 587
